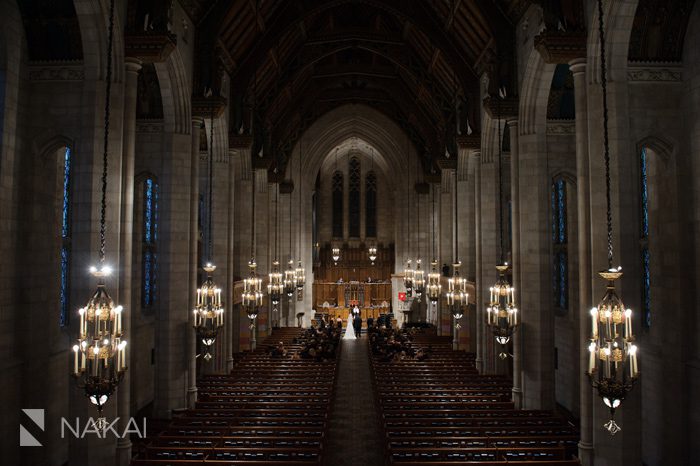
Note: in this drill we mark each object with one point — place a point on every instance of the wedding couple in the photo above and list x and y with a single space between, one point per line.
353 325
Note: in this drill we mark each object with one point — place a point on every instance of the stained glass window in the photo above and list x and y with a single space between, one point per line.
354 198
150 238
644 240
65 259
337 205
560 279
371 205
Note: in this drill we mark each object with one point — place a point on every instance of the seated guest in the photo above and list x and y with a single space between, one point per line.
278 351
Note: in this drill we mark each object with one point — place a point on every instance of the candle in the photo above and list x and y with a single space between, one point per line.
628 322
594 318
75 359
591 360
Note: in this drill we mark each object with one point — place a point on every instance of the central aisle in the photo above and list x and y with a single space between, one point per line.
354 435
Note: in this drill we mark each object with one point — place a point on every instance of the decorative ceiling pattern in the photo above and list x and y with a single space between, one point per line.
658 31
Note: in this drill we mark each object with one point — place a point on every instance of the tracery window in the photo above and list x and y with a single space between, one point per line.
371 205
64 291
560 274
150 238
354 198
337 205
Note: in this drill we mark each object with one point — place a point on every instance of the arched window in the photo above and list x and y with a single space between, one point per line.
560 265
338 205
354 198
149 256
64 292
644 237
371 205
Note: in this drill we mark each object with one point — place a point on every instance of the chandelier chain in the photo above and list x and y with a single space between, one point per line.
210 243
433 219
103 204
500 177
606 137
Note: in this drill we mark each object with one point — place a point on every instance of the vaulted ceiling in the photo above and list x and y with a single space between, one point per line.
418 62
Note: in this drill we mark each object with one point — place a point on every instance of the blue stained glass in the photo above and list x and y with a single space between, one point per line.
147 275
64 290
150 236
646 287
554 214
148 210
65 220
561 210
644 194
563 286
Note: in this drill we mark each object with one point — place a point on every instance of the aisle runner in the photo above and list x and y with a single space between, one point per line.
354 435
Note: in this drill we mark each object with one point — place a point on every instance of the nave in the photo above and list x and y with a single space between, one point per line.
359 409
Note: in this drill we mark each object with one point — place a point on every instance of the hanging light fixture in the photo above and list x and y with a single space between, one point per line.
209 311
300 272
290 276
335 254
252 297
457 296
418 280
99 356
274 284
612 367
372 254
501 312
434 286
408 271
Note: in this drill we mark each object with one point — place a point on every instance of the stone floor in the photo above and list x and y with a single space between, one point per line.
354 435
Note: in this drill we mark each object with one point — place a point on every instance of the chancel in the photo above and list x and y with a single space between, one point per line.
350 232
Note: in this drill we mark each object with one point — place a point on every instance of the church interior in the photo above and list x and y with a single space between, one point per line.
350 232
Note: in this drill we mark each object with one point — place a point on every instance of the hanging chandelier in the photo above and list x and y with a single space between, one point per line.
418 280
501 312
612 366
335 254
372 254
208 311
252 299
457 297
274 286
434 286
408 278
300 272
99 357
290 279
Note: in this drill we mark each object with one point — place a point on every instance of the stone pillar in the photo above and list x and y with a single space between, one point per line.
578 68
515 255
133 66
479 278
197 123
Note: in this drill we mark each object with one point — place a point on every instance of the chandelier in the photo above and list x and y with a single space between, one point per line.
434 286
372 253
99 356
408 278
501 313
290 279
300 272
208 311
418 280
252 298
457 296
274 286
335 254
612 366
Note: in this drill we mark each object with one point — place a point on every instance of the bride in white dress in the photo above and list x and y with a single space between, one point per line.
349 329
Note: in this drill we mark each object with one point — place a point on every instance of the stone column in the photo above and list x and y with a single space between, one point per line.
479 278
515 254
578 68
126 237
197 123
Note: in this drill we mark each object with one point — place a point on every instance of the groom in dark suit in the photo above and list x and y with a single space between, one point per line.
357 324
